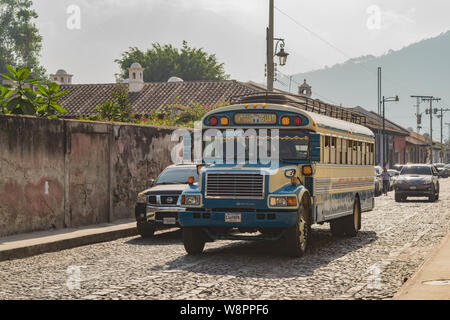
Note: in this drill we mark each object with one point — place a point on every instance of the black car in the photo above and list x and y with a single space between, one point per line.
444 172
158 206
417 180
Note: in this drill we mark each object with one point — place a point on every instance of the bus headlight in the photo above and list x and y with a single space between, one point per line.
289 173
190 200
283 201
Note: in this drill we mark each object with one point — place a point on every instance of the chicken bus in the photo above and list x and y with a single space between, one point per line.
315 169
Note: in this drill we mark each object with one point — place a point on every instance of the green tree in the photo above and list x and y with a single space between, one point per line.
118 108
20 96
164 61
20 41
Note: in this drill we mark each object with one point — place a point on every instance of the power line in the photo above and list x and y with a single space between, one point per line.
331 45
315 92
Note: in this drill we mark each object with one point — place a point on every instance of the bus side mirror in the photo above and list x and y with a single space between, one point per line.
314 147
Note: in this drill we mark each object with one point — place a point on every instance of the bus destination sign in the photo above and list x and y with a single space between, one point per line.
255 118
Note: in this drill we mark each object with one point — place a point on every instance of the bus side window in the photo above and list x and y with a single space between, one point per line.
359 152
354 152
344 151
350 150
372 154
333 150
339 151
326 151
367 153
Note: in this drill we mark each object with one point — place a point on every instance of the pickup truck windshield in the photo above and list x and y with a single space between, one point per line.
176 176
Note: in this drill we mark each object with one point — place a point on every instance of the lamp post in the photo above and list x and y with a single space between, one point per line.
390 99
282 55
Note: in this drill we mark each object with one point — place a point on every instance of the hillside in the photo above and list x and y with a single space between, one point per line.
422 68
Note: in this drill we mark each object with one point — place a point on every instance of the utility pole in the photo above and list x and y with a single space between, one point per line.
418 115
448 138
442 110
429 111
379 115
270 36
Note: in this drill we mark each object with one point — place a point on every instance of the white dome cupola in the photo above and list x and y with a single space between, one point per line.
61 77
135 77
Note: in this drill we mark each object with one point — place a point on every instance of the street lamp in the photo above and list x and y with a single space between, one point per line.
390 99
282 55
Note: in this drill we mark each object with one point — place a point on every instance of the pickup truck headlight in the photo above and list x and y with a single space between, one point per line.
142 197
190 200
283 201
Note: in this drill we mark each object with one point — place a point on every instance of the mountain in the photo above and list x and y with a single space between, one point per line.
422 68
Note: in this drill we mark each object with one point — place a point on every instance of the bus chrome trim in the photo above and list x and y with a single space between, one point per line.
263 185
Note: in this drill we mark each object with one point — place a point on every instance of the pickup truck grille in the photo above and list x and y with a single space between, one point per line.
235 185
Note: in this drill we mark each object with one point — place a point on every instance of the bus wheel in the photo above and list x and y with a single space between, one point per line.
193 240
353 222
337 227
299 236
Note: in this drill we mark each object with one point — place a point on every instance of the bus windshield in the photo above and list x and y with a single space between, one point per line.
293 145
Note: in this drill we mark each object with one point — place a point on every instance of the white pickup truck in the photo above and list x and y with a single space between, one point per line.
158 206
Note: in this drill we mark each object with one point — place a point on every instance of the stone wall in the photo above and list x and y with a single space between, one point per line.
65 173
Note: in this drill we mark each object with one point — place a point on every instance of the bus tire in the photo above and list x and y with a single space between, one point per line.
337 227
298 237
193 240
353 222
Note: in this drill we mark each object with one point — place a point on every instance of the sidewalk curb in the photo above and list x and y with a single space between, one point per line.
68 243
413 289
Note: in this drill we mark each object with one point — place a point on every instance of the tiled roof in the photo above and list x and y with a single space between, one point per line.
82 98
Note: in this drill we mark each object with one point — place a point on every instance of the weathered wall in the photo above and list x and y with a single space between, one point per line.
65 173
31 174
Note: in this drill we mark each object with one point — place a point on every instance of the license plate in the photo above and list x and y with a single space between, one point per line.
233 217
169 221
413 187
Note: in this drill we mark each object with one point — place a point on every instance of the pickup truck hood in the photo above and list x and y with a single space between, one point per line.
167 187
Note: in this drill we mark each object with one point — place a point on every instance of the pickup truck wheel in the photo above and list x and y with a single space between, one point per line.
298 237
193 240
145 229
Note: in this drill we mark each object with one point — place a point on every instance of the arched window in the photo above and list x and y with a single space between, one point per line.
134 75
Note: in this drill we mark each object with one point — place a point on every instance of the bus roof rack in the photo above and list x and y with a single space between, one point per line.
302 102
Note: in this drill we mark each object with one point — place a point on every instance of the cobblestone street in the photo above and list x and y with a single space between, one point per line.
394 240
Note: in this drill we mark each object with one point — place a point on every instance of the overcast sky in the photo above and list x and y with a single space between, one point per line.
232 29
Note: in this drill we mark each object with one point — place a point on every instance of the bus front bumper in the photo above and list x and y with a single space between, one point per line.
231 219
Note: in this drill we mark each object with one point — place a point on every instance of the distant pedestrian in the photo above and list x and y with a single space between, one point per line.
386 180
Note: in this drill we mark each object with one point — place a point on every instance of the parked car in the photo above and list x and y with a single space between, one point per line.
417 180
394 174
158 206
398 167
378 181
444 171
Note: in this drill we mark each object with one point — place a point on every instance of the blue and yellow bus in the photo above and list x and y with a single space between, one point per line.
324 173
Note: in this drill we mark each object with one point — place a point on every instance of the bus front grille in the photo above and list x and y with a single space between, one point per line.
235 185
